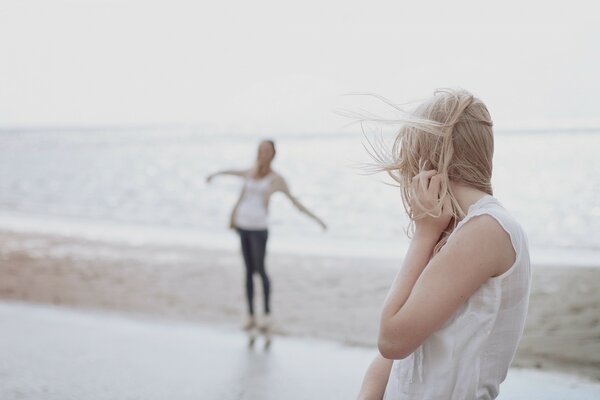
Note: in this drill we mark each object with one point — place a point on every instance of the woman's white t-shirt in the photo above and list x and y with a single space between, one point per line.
469 356
251 212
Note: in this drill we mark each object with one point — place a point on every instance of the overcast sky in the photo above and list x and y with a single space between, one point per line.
278 66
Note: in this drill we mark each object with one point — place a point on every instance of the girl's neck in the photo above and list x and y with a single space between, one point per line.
465 195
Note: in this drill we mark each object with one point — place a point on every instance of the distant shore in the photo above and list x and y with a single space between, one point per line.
315 296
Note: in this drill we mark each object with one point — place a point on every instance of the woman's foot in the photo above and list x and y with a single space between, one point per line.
250 323
265 325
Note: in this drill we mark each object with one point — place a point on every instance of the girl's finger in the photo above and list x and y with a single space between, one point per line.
424 179
447 206
415 187
434 186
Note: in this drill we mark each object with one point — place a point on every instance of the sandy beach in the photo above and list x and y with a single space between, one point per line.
93 354
331 298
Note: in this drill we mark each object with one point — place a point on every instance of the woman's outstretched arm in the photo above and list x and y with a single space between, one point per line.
281 186
233 172
376 379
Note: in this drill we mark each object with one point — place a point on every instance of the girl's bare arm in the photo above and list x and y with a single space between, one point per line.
427 292
376 379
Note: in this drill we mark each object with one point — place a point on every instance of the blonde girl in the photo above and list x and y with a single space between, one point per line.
453 317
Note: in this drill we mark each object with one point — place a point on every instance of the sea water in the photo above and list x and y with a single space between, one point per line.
148 185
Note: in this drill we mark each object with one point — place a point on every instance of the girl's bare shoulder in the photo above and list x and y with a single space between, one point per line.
486 233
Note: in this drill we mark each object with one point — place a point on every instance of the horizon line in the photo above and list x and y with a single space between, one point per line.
209 128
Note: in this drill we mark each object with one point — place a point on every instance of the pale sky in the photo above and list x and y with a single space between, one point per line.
280 67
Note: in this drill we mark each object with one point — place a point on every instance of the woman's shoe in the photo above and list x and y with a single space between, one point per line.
265 326
250 323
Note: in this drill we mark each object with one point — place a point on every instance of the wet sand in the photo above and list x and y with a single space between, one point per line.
55 353
330 298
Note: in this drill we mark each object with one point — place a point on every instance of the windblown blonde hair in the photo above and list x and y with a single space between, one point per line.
452 133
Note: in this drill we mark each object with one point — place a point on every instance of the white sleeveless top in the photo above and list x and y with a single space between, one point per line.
251 212
469 356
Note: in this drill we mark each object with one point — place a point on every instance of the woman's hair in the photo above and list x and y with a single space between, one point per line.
272 143
452 133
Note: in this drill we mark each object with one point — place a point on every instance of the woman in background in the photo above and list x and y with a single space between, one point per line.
250 219
455 313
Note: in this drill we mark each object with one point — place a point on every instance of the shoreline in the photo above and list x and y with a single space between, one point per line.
325 297
136 234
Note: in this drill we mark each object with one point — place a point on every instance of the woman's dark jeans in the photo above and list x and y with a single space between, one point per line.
254 246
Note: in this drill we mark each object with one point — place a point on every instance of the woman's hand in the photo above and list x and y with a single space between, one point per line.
426 190
322 224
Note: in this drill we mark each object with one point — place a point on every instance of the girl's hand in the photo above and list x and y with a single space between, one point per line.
426 189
